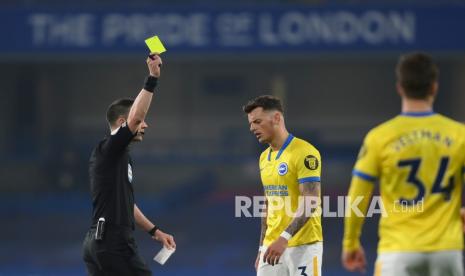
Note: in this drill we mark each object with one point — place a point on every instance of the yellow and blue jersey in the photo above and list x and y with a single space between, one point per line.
281 173
419 161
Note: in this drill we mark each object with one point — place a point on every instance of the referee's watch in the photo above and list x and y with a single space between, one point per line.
153 230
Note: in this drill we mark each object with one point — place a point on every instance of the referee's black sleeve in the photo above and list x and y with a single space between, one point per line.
117 142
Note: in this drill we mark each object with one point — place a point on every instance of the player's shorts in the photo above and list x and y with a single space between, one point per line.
440 263
304 260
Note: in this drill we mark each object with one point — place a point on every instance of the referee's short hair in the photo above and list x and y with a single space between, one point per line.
416 72
267 102
118 108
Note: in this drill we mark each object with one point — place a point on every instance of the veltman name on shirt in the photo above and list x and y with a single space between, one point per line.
276 190
420 136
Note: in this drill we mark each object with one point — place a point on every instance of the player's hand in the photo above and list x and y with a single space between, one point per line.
354 260
257 261
166 239
462 214
154 63
274 251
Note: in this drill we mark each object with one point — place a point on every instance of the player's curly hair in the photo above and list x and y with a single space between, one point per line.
416 72
267 102
118 108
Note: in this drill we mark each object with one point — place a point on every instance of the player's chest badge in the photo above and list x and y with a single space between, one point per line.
283 168
130 173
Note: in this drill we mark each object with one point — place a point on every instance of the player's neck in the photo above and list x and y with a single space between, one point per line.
279 140
412 105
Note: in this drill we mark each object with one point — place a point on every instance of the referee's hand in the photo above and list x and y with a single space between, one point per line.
166 239
154 64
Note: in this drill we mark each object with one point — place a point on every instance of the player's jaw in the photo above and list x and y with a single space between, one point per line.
262 136
263 132
259 137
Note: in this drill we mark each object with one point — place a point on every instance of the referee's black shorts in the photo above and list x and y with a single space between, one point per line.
116 254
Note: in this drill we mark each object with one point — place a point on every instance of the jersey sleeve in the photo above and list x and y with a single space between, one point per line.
353 222
118 141
367 165
308 164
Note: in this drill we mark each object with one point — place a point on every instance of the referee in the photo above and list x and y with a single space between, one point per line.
109 247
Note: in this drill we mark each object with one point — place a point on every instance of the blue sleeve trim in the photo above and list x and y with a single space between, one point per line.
309 179
284 146
364 176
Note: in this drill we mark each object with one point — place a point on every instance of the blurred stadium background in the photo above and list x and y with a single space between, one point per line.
62 63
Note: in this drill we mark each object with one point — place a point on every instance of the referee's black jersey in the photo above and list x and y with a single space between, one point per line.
110 170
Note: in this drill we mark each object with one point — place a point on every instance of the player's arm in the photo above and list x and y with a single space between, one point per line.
364 176
310 193
146 225
358 199
308 172
263 228
353 255
264 225
142 102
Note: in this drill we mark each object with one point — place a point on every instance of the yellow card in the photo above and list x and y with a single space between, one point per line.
155 45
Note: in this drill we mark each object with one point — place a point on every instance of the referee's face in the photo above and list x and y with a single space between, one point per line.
140 132
261 124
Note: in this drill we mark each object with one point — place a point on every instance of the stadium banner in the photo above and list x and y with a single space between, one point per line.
237 29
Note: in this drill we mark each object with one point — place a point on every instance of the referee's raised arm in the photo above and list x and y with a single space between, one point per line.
127 126
141 104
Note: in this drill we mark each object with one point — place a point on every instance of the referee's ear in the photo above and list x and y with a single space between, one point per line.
117 123
120 121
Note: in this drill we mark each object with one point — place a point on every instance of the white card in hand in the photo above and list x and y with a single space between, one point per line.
163 255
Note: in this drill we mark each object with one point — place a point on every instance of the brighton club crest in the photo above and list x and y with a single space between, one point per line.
282 168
